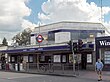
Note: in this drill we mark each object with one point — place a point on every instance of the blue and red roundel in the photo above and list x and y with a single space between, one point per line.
39 38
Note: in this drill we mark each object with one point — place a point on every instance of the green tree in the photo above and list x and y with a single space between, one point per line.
23 38
4 42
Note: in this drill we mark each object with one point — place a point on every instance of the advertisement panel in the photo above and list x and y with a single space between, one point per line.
62 37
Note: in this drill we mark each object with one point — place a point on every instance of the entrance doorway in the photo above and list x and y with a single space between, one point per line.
84 61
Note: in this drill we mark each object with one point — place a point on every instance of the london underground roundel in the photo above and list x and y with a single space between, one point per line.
39 38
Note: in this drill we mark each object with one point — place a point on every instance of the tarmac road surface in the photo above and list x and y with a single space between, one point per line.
24 77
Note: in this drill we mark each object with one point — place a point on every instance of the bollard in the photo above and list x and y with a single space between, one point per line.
21 67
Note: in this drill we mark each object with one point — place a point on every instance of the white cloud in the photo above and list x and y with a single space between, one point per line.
42 16
71 10
0 40
12 15
107 27
28 24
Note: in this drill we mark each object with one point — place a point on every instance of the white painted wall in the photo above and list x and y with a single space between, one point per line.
33 40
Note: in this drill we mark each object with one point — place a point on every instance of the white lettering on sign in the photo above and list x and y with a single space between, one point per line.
40 48
104 43
32 49
24 50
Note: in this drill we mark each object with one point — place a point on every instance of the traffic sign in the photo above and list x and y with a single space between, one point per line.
39 38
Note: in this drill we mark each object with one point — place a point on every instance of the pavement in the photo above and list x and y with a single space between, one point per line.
92 75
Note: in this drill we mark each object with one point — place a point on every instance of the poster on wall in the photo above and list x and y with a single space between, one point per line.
13 59
64 58
79 58
9 59
57 58
70 58
25 58
89 58
31 59
42 58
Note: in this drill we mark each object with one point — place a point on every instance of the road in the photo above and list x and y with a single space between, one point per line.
23 77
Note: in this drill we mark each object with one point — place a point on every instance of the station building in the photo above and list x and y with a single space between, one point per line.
55 48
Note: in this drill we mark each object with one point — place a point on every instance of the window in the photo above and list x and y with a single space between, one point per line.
75 35
51 37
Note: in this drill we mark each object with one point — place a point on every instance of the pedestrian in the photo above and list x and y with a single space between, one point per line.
98 67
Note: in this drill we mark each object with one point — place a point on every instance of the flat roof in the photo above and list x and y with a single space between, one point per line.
70 25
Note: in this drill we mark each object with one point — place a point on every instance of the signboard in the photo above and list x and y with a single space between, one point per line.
89 58
39 38
57 58
62 37
102 42
25 58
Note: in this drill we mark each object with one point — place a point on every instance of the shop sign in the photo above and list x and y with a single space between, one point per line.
40 48
31 49
104 43
25 50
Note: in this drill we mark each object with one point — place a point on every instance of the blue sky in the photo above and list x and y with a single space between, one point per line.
104 3
35 5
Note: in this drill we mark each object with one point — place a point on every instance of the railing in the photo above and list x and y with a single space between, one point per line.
43 68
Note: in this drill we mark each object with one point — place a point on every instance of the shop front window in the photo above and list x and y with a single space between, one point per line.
107 57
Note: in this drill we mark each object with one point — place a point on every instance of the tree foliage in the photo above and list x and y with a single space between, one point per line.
23 38
4 42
